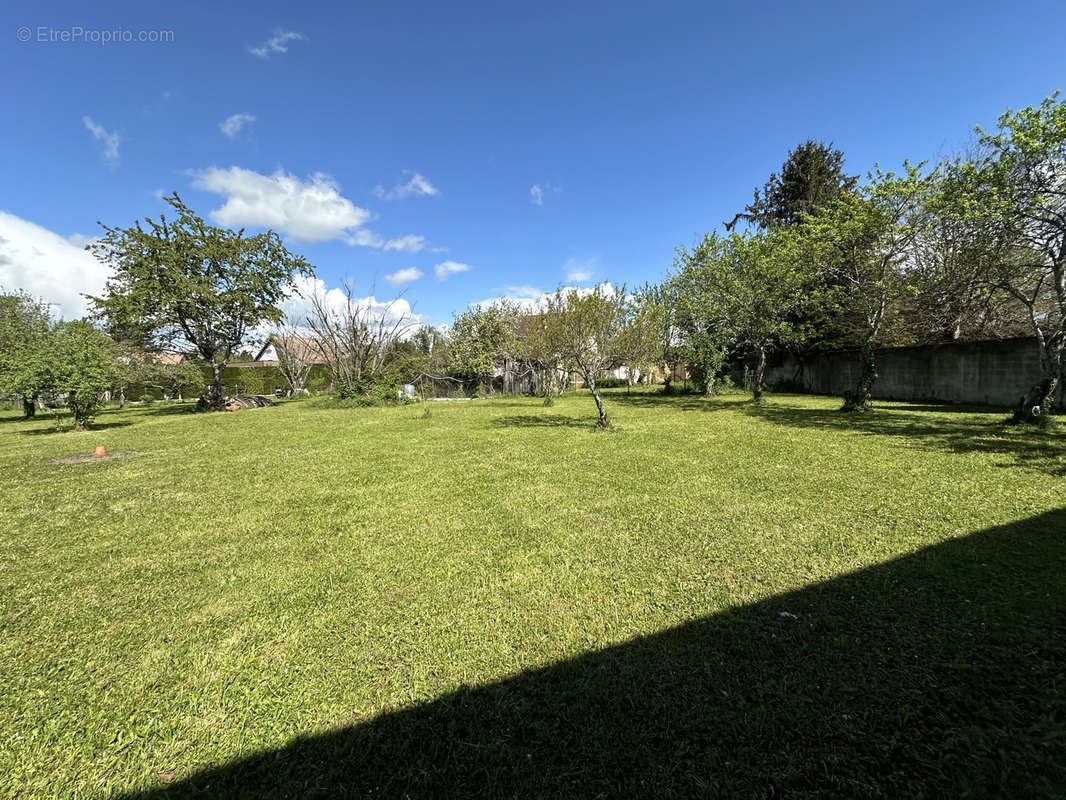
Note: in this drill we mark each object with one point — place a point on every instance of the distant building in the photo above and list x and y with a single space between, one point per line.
300 348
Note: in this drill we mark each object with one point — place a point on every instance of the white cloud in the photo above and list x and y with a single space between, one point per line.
297 306
579 271
446 269
418 186
232 124
309 211
407 244
536 195
278 43
530 299
48 266
109 139
402 276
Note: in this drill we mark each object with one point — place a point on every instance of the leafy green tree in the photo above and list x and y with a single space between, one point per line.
479 338
639 345
539 355
660 302
85 364
703 326
174 379
811 178
25 344
1021 187
586 329
860 244
184 281
744 289
954 253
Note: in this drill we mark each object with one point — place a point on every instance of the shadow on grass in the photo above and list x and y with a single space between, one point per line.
165 409
543 421
940 408
937 674
66 424
683 402
60 420
1037 449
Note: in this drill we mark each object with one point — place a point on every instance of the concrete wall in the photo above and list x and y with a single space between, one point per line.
990 372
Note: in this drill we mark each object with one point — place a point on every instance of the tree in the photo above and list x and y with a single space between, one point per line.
431 343
640 343
85 365
170 375
25 342
954 253
860 244
703 325
661 301
1021 186
479 338
536 350
586 328
811 178
358 340
184 281
749 285
295 354
173 378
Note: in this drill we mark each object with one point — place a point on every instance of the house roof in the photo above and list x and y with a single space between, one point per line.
301 348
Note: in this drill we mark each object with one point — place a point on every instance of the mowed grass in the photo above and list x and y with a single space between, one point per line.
501 600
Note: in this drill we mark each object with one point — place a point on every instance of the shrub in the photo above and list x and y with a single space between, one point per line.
251 380
371 390
86 366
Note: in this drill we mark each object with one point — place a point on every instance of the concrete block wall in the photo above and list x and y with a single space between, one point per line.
995 372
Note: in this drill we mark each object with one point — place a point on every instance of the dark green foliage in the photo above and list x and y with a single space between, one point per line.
478 339
25 344
84 365
811 178
371 390
183 281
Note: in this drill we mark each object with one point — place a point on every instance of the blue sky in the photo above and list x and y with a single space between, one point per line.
394 138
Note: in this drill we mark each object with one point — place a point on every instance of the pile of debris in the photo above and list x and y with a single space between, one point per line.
248 401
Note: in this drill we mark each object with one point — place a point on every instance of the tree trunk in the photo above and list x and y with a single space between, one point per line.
29 407
859 398
1040 399
757 375
591 381
215 398
1037 402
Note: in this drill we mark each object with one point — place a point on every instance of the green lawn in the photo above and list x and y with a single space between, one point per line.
500 600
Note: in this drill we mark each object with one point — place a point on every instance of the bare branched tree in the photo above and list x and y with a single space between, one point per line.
358 340
296 354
